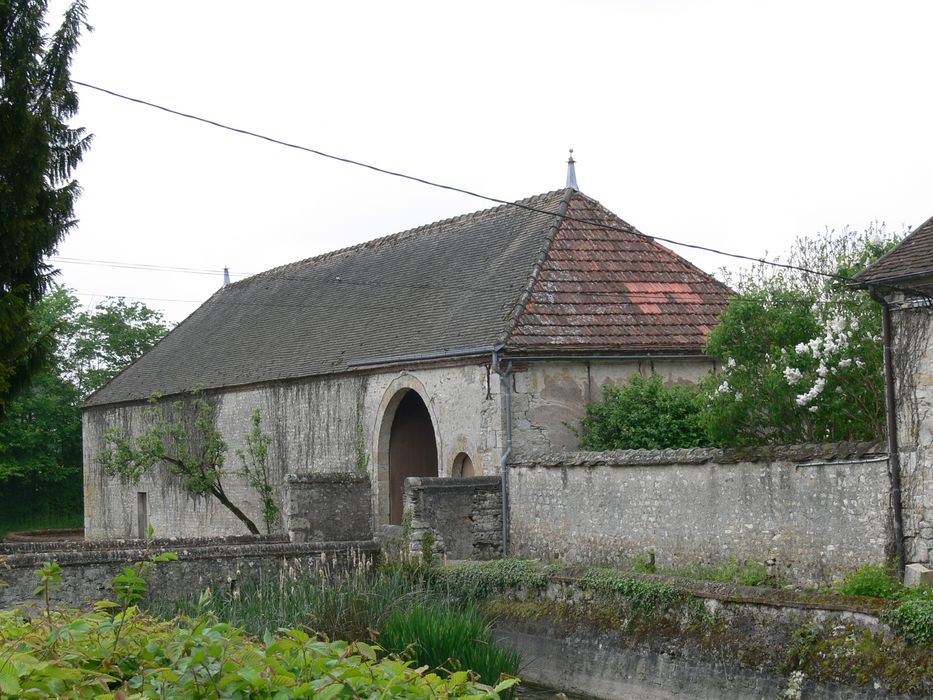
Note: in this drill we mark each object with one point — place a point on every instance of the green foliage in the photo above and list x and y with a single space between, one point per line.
256 470
40 438
109 337
801 357
427 548
913 617
644 414
744 573
50 581
38 152
73 657
194 451
477 581
870 580
839 652
334 602
443 637
642 597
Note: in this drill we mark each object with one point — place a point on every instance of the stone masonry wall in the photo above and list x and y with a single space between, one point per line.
464 516
810 521
913 381
549 398
88 567
328 507
318 425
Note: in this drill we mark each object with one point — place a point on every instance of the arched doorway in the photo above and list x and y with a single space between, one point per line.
412 449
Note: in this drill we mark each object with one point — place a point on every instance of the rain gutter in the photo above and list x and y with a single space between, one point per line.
505 385
419 356
894 457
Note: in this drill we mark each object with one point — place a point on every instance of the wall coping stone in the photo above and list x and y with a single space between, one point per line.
137 551
326 478
443 482
840 452
9 548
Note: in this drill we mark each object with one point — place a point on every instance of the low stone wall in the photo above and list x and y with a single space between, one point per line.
751 643
809 512
328 507
463 515
88 567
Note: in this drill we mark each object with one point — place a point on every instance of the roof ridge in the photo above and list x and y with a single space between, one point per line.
397 236
519 306
861 274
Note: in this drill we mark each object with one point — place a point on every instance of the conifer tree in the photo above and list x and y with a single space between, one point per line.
38 152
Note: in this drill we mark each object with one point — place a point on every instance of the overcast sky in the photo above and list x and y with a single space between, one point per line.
738 125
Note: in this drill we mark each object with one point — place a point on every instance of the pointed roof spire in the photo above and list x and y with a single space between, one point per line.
226 275
571 173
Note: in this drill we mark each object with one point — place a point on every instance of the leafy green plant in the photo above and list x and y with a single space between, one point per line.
200 657
913 617
256 470
644 414
870 580
642 597
644 563
427 548
50 581
450 639
744 573
477 581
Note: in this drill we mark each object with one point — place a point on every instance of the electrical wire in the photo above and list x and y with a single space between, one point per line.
452 188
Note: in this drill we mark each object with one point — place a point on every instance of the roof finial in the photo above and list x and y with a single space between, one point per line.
226 275
571 173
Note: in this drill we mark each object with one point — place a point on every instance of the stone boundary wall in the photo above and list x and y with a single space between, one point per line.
86 572
742 659
810 512
328 507
464 515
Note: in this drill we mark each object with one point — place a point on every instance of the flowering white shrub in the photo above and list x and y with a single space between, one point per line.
800 354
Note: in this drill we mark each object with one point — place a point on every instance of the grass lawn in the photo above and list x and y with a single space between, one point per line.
40 521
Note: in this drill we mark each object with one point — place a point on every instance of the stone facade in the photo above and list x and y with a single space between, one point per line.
341 425
328 507
913 381
320 425
464 516
810 513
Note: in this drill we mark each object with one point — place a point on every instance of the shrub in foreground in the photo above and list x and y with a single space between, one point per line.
72 654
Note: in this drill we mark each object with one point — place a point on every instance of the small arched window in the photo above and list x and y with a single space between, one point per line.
462 466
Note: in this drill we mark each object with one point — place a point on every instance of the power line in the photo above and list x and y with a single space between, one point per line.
452 188
141 266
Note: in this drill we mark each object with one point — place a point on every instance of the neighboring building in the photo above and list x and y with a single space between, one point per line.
903 281
427 352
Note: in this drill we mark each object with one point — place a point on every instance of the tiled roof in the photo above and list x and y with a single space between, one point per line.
616 289
527 278
913 257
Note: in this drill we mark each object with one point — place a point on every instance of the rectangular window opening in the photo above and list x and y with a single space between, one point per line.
142 514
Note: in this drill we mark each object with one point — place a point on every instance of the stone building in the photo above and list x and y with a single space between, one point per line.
902 281
438 351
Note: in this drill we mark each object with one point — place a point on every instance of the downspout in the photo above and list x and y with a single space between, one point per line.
505 385
894 456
